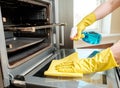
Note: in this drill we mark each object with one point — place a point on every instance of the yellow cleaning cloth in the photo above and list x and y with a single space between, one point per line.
53 72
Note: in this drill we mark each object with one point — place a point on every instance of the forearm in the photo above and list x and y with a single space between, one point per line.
106 8
116 51
102 61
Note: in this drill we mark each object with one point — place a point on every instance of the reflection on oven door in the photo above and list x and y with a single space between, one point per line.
37 79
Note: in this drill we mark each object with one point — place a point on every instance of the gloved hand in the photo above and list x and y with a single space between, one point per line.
86 21
51 71
74 34
100 62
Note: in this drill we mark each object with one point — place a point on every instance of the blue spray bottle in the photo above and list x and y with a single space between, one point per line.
91 37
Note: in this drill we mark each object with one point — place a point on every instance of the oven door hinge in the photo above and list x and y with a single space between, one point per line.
19 81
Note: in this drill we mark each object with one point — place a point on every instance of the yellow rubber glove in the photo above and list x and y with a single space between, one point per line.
51 71
100 62
86 21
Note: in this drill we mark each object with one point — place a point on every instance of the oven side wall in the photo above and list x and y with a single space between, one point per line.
3 57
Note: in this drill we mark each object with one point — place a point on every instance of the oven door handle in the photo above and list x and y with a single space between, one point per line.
62 30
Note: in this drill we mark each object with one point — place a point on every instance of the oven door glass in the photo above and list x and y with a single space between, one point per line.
104 79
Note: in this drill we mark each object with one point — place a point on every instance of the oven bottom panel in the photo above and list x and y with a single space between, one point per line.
36 79
98 80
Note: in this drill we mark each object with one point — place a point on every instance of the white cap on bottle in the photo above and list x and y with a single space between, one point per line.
73 33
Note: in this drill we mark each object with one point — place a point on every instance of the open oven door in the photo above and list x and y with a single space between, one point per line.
36 78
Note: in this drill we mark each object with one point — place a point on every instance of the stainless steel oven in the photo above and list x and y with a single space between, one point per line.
28 44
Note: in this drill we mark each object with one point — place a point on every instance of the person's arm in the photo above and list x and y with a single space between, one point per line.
106 8
100 12
116 51
104 60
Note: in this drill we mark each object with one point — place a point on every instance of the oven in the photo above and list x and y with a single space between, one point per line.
29 42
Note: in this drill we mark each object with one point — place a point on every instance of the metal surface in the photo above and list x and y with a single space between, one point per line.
34 27
4 60
89 81
19 43
64 14
1 76
117 74
62 35
30 61
56 20
26 55
37 79
38 63
38 2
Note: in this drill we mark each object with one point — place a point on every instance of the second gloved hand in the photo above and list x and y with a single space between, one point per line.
86 21
100 62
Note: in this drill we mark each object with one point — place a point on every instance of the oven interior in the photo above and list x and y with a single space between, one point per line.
22 21
25 13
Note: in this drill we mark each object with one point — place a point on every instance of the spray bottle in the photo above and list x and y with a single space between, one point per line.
91 37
